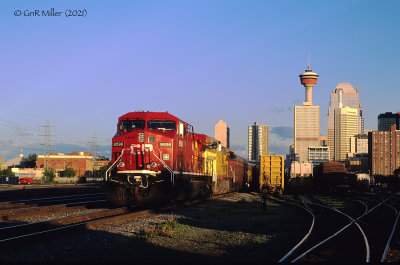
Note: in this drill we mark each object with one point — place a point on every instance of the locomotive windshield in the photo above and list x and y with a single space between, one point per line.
130 125
161 125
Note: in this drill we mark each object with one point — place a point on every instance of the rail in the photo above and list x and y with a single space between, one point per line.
391 234
344 228
305 237
367 258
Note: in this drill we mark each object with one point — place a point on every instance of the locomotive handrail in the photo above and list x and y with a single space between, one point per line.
167 167
113 165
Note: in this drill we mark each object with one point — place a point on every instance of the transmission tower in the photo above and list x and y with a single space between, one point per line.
93 143
47 134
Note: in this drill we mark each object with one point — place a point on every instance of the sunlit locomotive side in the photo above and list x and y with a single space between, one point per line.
155 153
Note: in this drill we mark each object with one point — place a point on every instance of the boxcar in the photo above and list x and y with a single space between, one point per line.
272 173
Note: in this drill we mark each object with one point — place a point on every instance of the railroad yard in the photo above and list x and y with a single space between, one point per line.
76 223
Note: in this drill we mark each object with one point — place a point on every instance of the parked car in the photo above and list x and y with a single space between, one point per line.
25 180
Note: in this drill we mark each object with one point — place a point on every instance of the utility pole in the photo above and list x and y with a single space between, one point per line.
93 149
47 134
94 145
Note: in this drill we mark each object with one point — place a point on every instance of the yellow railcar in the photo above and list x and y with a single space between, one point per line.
272 177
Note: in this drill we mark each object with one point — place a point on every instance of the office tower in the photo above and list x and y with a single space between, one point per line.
222 133
306 119
258 141
318 154
384 151
359 143
346 126
387 119
350 98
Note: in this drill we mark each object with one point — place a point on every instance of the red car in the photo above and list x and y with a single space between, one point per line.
25 180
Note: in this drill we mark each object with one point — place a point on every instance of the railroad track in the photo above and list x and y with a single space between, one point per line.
16 210
44 201
340 233
41 191
18 233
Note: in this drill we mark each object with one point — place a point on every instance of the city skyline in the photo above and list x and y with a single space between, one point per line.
81 74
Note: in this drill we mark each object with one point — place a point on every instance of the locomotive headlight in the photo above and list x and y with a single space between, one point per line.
121 164
153 165
148 166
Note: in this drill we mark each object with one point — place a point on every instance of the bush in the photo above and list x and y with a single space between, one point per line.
101 172
69 172
165 229
7 173
49 174
82 179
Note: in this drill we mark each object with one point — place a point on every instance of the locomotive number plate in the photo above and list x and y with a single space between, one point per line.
165 144
141 137
118 144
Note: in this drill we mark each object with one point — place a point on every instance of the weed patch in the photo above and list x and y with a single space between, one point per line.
165 229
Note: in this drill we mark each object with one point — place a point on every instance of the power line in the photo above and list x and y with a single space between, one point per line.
47 139
30 136
94 146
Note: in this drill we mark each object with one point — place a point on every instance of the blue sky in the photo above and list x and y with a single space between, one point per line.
202 61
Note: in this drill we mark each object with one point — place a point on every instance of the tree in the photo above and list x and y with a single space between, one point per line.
101 172
49 174
7 173
30 162
101 158
69 172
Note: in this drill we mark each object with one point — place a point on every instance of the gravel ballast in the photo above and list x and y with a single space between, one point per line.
230 229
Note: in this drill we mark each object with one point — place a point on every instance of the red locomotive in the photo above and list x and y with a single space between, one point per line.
157 154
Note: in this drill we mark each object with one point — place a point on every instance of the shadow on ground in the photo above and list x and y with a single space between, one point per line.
215 231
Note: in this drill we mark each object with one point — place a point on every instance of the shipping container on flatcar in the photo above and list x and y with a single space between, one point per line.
330 167
272 173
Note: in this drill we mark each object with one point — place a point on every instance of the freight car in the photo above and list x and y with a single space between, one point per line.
157 155
272 174
333 177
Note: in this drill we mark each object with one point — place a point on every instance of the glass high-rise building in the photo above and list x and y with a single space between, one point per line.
386 119
350 98
258 141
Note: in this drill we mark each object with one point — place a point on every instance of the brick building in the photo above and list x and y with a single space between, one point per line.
384 151
79 161
100 163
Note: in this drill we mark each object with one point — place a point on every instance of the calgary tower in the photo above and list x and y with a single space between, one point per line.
306 119
308 79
